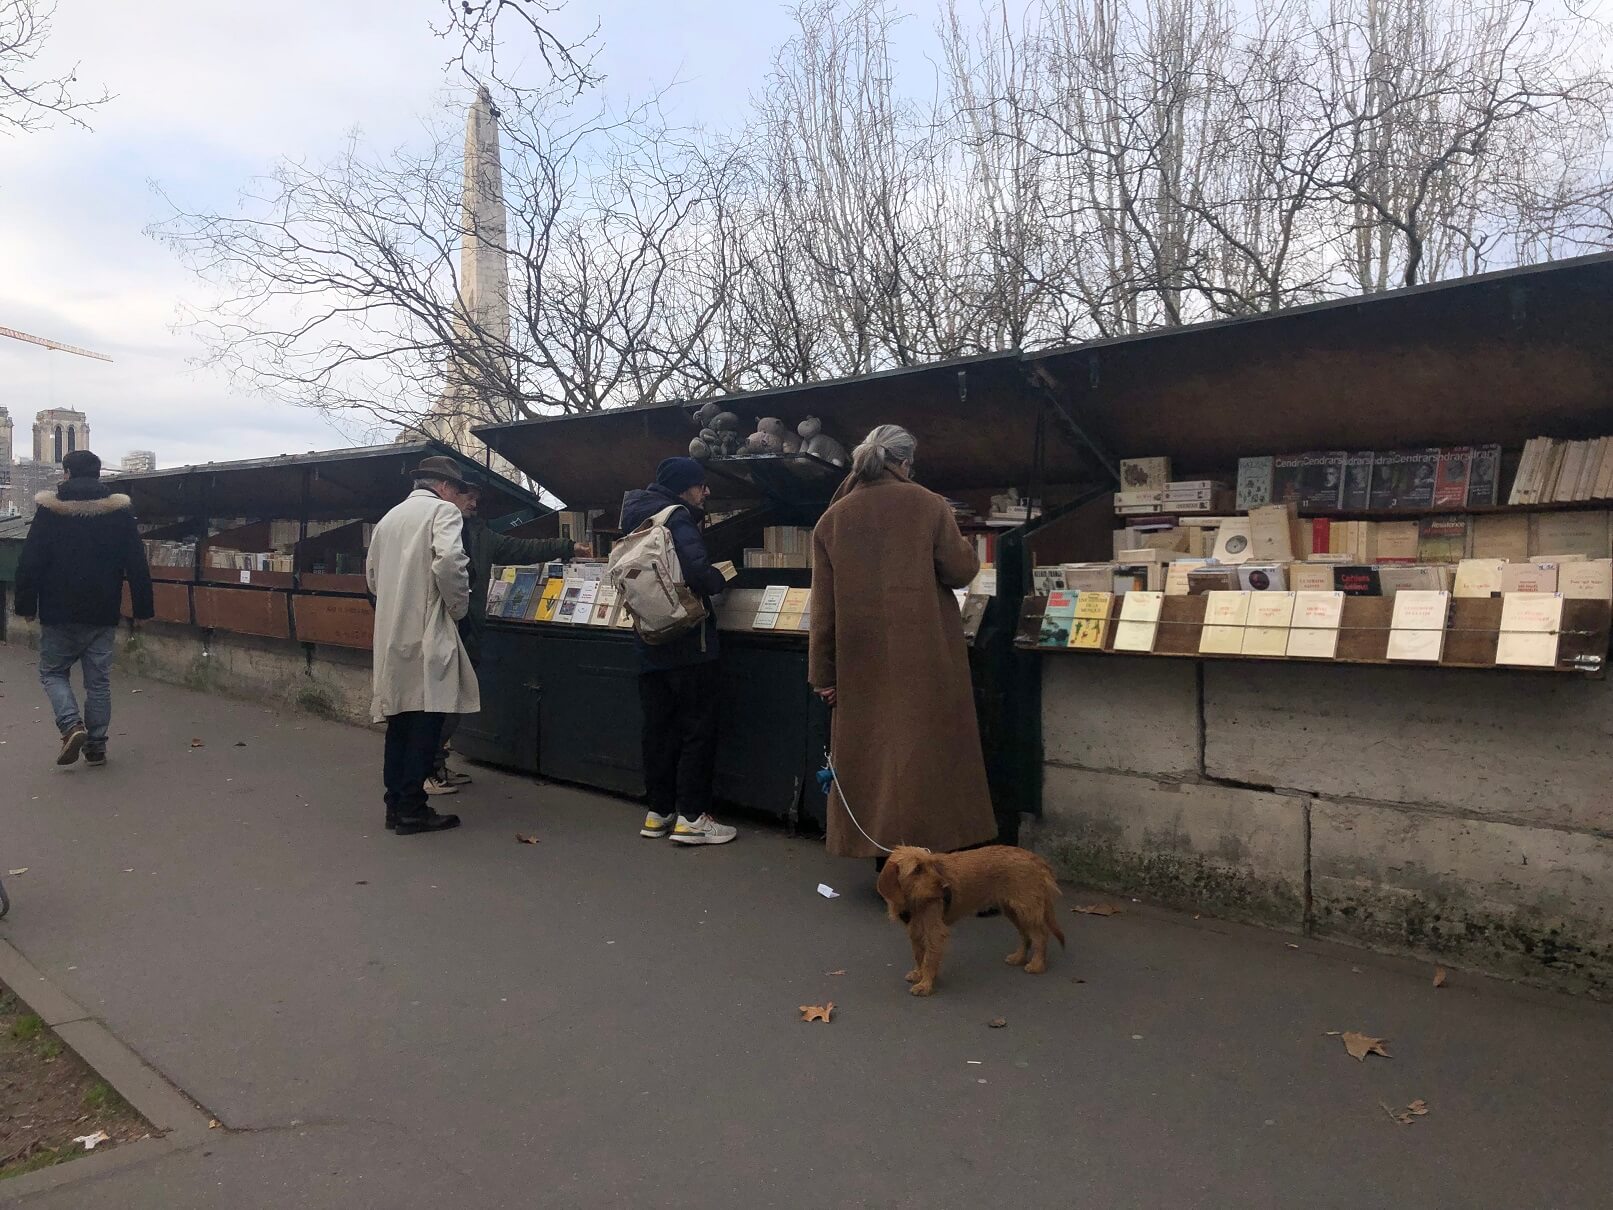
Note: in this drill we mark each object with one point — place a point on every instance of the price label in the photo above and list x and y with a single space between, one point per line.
246 577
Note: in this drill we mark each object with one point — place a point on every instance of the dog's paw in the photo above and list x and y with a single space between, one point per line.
912 976
1017 958
921 989
1035 967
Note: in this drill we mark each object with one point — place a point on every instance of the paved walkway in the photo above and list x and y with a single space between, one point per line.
600 1020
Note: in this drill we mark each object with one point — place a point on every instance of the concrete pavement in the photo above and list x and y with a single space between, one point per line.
602 1020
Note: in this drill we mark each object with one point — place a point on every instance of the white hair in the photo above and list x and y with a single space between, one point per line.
887 445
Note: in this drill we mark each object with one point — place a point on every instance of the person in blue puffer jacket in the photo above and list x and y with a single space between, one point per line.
678 681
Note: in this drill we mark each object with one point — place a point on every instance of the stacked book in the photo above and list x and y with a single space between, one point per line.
1197 496
1564 472
170 554
782 546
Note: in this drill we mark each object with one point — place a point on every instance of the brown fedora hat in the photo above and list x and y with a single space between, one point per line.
438 467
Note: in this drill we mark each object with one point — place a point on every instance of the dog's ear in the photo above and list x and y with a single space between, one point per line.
927 882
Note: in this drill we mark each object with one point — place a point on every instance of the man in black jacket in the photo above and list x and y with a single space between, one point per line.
678 681
487 549
82 548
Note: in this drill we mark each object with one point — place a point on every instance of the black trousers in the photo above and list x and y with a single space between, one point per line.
680 737
450 722
411 751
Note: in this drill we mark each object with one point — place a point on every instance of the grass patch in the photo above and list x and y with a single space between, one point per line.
49 1097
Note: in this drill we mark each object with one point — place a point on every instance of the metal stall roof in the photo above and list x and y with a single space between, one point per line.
343 483
1500 357
976 422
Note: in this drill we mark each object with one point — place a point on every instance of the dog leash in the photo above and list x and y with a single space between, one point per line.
834 780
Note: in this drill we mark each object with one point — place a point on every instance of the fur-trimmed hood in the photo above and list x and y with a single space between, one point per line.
97 507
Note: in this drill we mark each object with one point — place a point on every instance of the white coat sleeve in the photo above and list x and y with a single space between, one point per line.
449 565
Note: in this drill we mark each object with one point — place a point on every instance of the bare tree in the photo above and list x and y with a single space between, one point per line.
1080 168
30 101
483 33
338 284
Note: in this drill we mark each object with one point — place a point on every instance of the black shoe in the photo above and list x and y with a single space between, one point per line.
72 743
391 820
427 821
94 757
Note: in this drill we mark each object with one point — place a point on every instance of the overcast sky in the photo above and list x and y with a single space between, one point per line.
209 94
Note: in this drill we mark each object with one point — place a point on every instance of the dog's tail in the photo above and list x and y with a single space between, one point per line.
1053 925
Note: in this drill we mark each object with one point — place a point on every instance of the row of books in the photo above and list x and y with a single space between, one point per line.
1299 625
1576 577
1382 480
783 546
1563 472
1276 533
170 554
249 560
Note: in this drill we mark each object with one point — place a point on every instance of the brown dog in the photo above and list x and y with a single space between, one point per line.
929 891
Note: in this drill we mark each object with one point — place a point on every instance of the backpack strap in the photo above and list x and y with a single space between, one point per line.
662 517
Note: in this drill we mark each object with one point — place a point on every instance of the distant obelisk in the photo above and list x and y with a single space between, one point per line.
484 288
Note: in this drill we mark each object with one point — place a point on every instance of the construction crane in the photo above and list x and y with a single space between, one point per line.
52 344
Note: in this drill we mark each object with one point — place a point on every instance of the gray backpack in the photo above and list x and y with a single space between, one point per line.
648 579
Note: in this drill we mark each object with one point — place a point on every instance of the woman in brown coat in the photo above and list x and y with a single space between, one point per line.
887 652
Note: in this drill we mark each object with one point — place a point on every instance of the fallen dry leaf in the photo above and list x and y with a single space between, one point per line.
834 972
196 743
817 1012
1097 909
997 1022
523 838
1360 1045
213 1123
19 872
1404 1116
1439 976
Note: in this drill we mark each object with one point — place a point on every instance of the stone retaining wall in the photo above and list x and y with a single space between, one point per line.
1463 816
333 682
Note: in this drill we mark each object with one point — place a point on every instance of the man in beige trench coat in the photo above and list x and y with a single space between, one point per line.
418 574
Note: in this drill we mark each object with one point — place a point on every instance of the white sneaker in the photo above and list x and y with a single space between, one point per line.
657 826
433 786
704 830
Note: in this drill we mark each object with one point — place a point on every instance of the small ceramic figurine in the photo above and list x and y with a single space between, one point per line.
827 448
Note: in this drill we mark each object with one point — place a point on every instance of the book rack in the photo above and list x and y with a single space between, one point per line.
1472 634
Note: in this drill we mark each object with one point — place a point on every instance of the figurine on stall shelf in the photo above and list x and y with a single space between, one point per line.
819 444
719 433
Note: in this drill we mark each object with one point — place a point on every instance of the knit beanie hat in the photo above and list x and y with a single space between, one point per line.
678 475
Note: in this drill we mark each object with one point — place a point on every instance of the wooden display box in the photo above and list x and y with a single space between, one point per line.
243 611
337 621
162 571
170 602
255 579
325 581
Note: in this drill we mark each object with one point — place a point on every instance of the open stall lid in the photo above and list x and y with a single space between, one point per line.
341 483
977 422
1496 358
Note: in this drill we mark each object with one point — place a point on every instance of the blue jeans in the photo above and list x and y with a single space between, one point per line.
60 647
